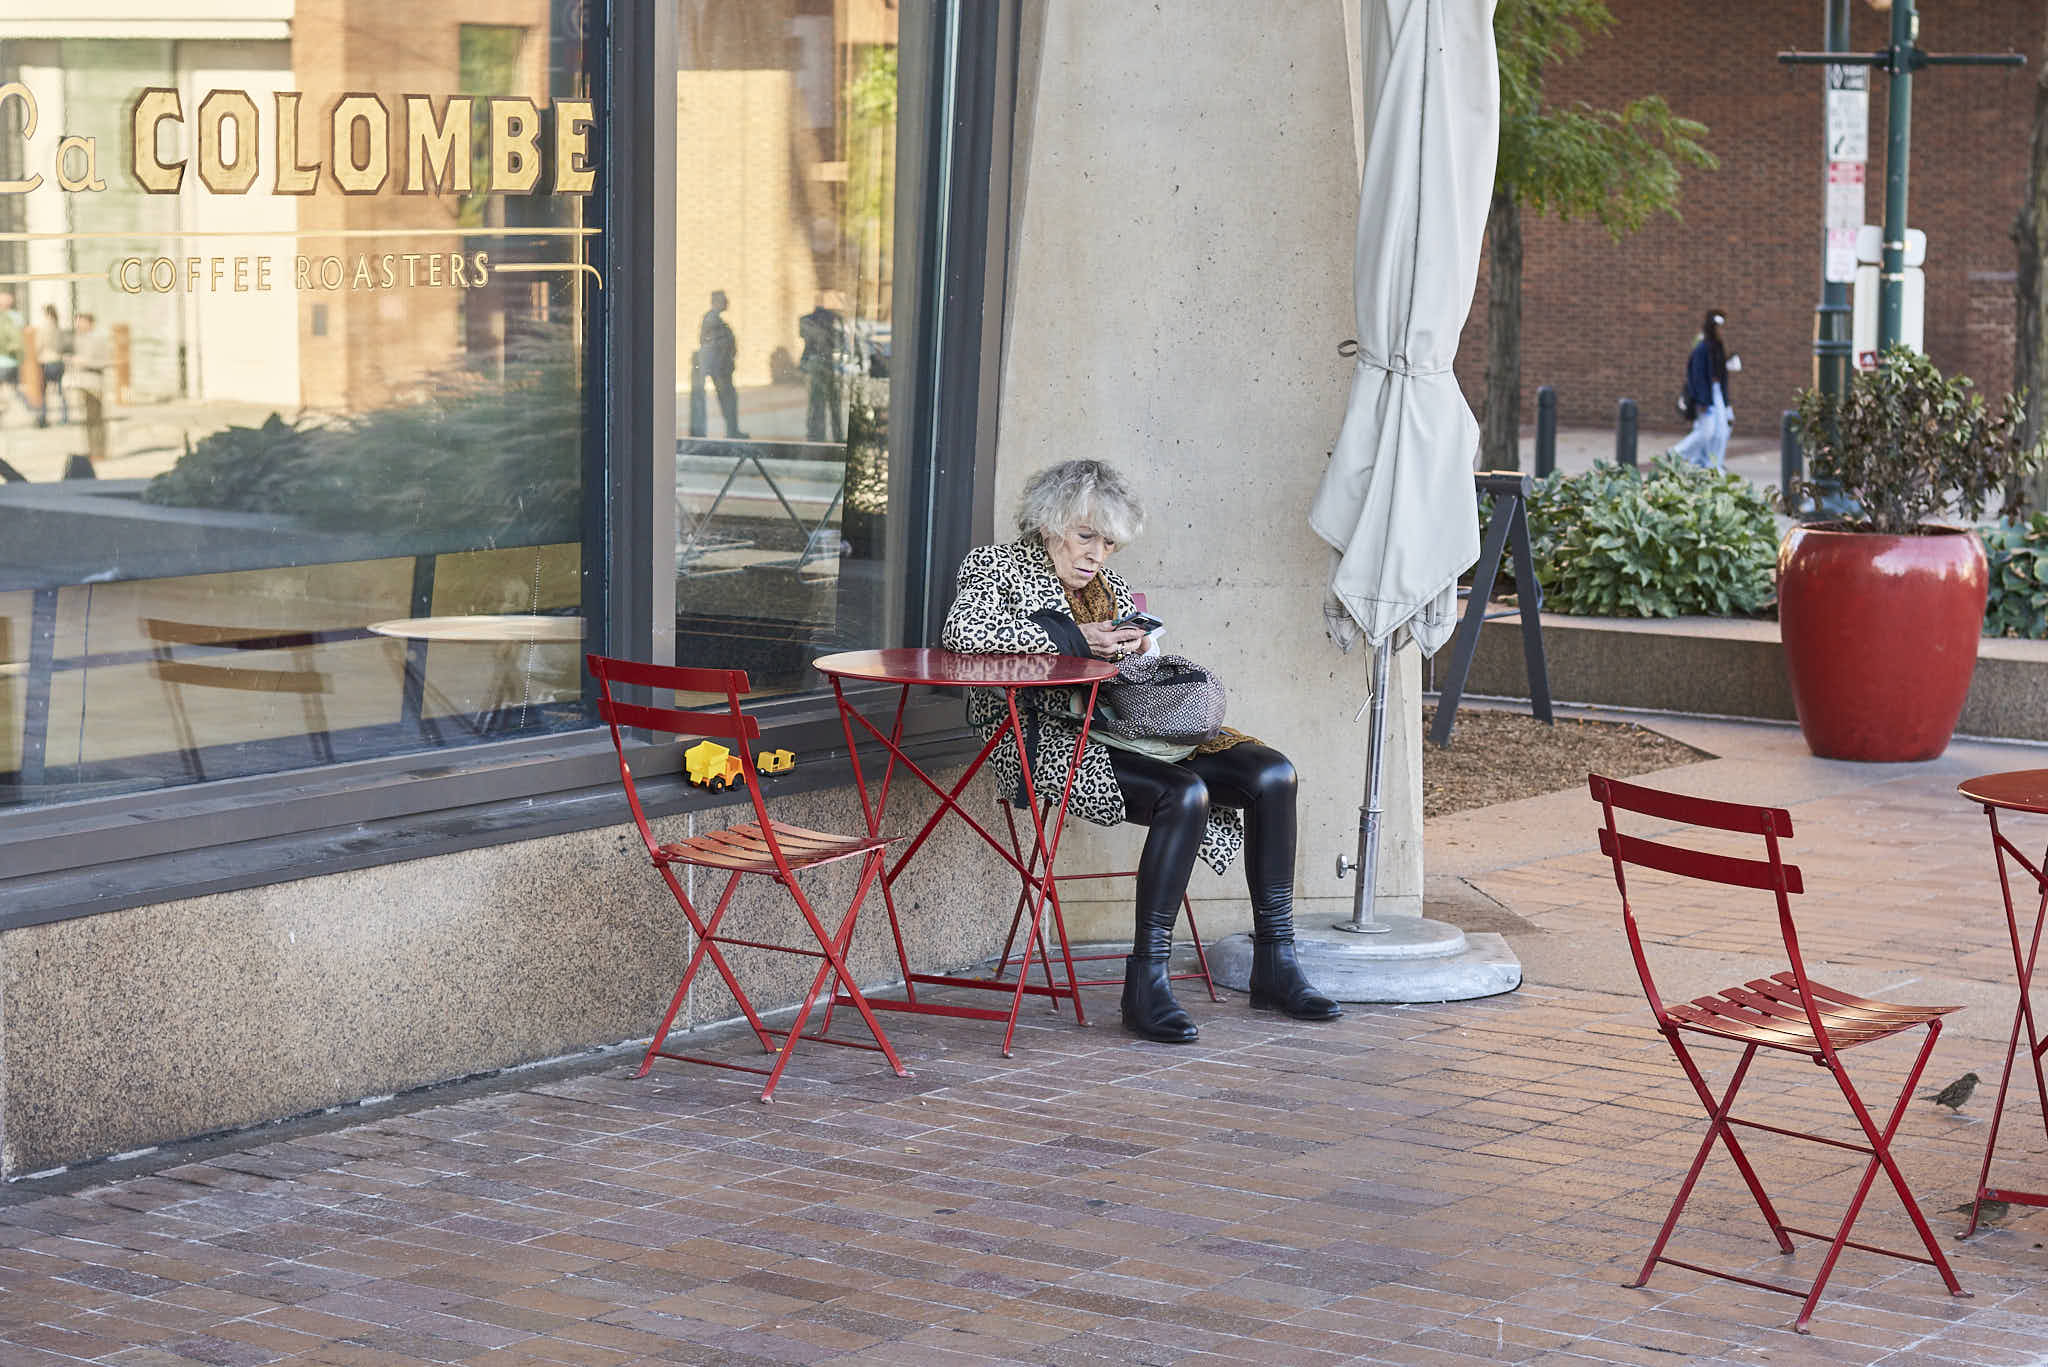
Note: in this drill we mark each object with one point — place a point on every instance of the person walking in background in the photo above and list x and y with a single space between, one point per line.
1706 397
56 343
823 332
718 351
11 347
92 355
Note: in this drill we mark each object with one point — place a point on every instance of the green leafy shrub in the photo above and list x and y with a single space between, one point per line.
1908 444
244 469
1677 539
487 456
2018 555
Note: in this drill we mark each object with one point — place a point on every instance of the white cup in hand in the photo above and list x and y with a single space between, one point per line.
1734 365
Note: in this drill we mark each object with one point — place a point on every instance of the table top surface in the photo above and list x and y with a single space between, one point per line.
2017 790
921 665
517 627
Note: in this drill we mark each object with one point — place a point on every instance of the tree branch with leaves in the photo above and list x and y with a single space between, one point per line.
2030 239
1619 167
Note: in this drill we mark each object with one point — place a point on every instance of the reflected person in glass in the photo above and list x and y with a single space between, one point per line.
55 346
1051 592
92 356
718 350
824 335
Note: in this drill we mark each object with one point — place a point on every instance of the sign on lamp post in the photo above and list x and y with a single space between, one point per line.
1899 61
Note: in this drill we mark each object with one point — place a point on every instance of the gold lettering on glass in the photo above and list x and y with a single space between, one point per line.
437 151
515 145
216 173
89 157
294 176
364 176
154 107
15 90
575 172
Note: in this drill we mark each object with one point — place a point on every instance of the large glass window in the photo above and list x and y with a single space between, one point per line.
787 319
296 334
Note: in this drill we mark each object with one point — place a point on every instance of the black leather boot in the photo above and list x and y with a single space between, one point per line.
1149 1010
1277 984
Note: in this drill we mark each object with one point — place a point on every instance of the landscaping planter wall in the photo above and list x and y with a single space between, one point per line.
1729 667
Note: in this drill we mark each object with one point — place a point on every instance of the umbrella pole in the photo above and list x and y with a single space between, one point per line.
1362 896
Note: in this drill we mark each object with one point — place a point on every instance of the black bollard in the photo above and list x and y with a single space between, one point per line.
79 467
698 417
1791 460
1546 432
1625 433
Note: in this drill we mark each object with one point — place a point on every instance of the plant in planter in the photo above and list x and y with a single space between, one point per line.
867 469
2018 552
1677 538
1880 610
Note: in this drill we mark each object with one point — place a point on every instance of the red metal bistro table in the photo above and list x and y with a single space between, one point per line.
909 668
2021 790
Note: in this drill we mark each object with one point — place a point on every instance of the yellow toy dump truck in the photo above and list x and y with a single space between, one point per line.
774 761
712 765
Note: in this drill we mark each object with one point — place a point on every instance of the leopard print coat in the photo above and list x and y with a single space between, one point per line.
1001 589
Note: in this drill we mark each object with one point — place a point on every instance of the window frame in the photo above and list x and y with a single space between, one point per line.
82 858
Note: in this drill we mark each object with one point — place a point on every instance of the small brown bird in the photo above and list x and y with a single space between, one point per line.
1955 1094
1989 1213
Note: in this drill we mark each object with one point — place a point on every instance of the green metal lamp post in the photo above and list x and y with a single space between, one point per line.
1899 61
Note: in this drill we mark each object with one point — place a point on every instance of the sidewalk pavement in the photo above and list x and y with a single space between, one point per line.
1435 1184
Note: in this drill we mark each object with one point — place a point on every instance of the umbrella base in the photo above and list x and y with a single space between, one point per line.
1417 960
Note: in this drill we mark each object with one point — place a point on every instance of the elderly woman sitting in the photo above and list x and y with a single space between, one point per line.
1051 592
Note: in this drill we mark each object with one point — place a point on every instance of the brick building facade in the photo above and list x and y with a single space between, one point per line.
1605 320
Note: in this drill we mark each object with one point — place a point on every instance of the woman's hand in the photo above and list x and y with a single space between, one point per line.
1106 642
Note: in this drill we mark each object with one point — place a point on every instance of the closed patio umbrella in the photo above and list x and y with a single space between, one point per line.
1396 503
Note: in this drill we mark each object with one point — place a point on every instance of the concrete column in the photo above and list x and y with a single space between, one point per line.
1181 277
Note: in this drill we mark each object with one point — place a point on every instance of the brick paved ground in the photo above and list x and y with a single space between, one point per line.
1424 1184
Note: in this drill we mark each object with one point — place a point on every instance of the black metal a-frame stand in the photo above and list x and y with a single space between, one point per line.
1509 526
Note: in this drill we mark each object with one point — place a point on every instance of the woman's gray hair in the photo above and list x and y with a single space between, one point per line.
1061 497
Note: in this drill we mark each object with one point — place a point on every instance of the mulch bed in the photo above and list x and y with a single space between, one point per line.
1498 756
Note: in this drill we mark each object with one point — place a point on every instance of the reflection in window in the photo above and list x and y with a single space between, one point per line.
786 137
294 453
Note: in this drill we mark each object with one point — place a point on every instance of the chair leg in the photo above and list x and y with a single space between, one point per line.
833 998
1059 925
833 947
1201 955
1051 899
1717 1128
705 929
1023 893
1880 1157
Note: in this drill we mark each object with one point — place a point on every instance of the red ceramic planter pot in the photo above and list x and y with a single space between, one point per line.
1880 636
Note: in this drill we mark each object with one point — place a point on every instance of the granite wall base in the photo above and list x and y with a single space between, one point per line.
139 1027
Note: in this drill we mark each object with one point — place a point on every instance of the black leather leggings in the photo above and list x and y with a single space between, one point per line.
1173 800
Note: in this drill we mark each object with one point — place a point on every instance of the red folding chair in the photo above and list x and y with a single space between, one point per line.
1788 1012
769 848
1200 970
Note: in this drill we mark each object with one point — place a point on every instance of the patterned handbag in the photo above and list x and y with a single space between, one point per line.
1163 697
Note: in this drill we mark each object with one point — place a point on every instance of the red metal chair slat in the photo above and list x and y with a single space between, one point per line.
762 847
1708 868
688 678
1692 811
1787 1012
677 722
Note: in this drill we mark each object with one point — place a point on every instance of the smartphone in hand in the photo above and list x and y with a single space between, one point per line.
1143 621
